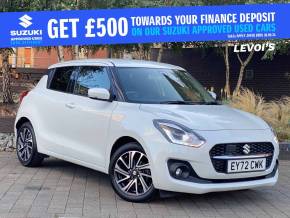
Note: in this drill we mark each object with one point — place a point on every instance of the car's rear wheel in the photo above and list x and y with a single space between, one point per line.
131 175
26 146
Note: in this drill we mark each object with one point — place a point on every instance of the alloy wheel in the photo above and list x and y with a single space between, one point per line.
132 173
25 144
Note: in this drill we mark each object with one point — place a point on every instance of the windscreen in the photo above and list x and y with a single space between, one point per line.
152 85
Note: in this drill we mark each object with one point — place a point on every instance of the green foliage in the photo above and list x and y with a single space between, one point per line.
282 47
9 50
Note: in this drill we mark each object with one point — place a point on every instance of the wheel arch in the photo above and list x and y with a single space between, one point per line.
21 121
122 141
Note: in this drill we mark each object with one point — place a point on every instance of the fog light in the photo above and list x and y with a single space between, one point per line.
179 169
182 172
178 172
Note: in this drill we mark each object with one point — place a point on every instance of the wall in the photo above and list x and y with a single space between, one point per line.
39 58
43 59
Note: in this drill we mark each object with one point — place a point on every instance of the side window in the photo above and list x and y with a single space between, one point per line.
49 73
63 79
91 77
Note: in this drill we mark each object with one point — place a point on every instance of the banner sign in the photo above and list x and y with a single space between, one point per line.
145 25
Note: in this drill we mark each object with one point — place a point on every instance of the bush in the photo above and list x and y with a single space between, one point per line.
276 113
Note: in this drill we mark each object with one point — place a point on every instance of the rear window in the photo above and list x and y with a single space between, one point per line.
63 79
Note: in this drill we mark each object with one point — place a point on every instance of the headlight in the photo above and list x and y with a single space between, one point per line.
178 134
275 135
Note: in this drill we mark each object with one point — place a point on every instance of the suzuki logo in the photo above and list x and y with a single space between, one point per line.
246 149
25 21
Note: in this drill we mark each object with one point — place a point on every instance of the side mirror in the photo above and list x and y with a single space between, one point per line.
99 93
212 94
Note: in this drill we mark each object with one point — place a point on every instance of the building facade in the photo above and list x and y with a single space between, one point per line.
38 58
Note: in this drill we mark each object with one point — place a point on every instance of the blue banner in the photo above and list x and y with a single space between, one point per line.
145 25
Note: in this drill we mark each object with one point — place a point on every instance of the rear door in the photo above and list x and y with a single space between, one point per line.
54 110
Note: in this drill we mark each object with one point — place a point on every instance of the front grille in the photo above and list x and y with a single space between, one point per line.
236 149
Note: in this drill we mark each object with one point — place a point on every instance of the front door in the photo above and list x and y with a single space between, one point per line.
90 118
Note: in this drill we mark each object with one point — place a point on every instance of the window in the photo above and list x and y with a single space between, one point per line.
150 85
27 57
91 77
63 79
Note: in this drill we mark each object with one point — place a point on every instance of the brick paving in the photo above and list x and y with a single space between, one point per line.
62 189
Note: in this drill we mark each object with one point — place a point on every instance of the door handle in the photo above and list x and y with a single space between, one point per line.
70 105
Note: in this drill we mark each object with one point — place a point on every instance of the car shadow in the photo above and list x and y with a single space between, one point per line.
235 199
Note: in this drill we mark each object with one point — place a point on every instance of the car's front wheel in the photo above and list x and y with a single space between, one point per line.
130 174
26 146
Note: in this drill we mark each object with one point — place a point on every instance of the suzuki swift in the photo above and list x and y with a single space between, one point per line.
150 126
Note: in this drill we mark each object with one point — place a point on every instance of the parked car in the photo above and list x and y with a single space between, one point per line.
150 126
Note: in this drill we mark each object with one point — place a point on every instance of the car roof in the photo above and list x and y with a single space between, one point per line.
115 62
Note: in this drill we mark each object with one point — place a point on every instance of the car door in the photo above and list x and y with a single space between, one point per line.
89 118
55 119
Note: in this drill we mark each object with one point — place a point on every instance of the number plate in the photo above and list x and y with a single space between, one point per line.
246 165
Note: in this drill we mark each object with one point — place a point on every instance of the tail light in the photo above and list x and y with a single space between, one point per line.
22 95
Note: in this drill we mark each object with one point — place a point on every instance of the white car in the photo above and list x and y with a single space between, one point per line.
150 126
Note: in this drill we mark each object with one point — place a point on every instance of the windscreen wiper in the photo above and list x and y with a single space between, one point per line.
191 102
177 102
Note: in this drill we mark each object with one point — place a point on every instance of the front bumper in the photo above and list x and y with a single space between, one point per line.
200 161
201 188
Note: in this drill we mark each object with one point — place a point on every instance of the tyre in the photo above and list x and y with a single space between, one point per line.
130 174
26 146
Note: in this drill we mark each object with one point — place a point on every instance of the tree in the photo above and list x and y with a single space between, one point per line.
244 64
62 5
7 6
6 71
60 53
224 48
11 6
225 53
